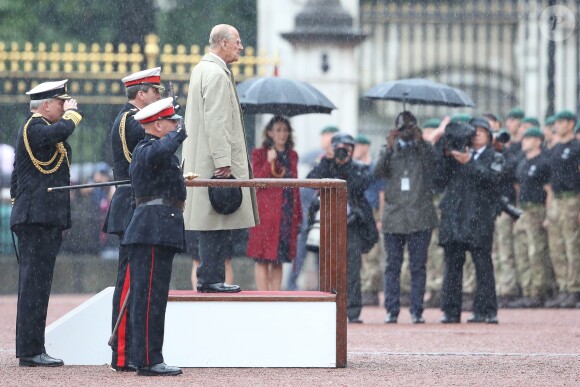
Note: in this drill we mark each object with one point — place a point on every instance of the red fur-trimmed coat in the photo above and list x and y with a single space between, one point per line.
265 237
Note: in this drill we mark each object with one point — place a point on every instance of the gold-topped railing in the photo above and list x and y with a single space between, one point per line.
95 71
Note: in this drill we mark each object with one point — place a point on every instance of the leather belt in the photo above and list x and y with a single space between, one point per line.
159 201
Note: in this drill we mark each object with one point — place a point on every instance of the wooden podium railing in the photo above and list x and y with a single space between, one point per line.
332 273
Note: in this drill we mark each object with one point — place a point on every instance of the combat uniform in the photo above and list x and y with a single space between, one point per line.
531 240
42 160
565 181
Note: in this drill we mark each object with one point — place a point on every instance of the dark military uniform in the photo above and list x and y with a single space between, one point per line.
42 160
155 233
125 135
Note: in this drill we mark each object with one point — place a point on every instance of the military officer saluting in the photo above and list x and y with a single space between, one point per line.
142 89
155 233
42 160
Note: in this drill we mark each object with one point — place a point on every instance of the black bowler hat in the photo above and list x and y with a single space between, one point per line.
225 200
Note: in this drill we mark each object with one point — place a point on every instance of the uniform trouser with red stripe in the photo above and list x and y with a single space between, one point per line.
122 345
150 276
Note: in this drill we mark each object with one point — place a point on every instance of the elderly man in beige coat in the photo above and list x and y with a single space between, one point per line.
216 146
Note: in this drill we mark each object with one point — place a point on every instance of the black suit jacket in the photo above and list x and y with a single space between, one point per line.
155 172
32 203
470 197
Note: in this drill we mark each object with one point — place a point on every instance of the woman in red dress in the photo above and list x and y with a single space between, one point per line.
273 241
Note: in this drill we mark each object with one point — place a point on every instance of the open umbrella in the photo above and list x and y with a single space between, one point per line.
419 91
281 96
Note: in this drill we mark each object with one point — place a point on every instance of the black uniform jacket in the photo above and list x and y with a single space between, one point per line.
125 135
155 173
32 203
469 203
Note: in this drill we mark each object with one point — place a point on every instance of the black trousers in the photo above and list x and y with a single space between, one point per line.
353 266
150 276
485 301
122 345
38 246
418 244
214 248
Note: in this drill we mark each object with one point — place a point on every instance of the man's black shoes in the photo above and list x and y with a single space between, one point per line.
220 287
449 319
160 369
416 318
391 318
42 360
128 368
490 318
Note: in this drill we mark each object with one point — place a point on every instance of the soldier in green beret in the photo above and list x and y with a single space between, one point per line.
534 267
550 137
564 211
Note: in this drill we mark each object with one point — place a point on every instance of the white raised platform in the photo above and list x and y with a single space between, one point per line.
248 329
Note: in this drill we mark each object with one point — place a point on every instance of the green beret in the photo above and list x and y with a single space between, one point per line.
330 129
431 123
515 113
531 120
461 117
534 132
362 139
566 115
550 120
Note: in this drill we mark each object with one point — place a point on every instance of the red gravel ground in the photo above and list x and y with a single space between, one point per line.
538 347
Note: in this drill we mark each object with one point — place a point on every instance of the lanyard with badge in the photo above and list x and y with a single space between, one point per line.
405 182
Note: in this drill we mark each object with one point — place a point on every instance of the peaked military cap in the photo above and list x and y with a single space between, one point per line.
45 90
150 77
158 110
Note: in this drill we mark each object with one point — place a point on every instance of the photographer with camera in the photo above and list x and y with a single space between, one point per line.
407 165
468 171
362 232
534 268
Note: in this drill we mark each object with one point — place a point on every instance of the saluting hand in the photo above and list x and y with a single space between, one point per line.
70 104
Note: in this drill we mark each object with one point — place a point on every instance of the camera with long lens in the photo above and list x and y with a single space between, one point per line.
501 136
458 136
340 154
510 209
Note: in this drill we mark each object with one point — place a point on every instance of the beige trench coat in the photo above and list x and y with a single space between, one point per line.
216 138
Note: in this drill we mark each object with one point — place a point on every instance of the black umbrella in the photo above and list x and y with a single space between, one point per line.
281 96
420 91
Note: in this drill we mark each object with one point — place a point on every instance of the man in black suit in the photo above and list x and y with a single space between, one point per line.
142 89
42 160
155 233
469 177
